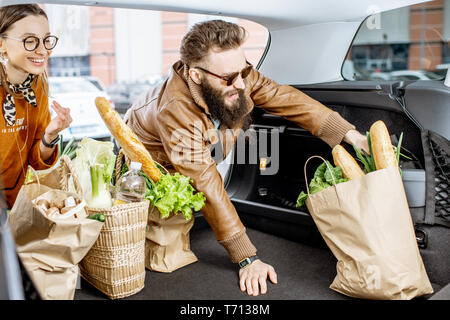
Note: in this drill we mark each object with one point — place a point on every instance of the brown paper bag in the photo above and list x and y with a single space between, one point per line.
167 246
50 248
367 225
59 284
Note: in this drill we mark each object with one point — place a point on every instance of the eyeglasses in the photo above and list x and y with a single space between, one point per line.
31 43
231 79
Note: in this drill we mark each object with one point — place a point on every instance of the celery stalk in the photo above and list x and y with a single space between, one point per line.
100 197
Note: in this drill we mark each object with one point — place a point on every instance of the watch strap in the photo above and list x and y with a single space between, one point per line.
50 144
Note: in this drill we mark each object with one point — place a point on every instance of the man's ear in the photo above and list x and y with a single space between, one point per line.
195 76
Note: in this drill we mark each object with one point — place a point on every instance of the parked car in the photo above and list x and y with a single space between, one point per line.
414 75
379 76
78 94
96 82
441 69
124 93
309 40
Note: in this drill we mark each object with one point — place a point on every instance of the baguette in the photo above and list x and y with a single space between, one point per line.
348 164
383 151
127 139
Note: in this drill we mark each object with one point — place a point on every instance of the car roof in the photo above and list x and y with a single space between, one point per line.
272 14
308 40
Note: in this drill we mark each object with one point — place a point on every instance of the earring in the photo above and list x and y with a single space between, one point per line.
3 59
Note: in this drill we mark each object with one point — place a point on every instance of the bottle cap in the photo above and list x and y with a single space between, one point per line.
135 166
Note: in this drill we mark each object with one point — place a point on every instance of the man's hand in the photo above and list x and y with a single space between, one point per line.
255 275
356 138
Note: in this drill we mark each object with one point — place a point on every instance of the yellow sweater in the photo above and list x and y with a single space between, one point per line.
19 144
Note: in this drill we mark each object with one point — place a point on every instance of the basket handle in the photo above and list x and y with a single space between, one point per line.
326 163
120 156
67 169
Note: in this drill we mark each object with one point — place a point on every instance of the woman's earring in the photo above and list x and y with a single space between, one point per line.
3 59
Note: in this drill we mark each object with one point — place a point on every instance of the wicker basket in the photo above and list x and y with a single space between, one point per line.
115 265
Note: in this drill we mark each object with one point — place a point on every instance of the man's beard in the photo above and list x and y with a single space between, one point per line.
232 117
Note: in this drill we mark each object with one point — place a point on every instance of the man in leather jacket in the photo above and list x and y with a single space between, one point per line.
208 97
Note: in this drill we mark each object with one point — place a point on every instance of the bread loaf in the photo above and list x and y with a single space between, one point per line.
383 151
348 164
127 139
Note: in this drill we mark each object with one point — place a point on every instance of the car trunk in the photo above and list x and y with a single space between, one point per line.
267 202
286 236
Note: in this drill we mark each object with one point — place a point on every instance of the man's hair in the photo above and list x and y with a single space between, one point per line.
213 34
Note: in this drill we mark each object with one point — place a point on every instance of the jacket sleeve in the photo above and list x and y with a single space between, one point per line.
43 120
294 105
184 143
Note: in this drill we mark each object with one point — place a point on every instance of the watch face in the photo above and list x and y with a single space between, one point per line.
245 262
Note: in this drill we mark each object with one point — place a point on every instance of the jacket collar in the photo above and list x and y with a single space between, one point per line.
182 70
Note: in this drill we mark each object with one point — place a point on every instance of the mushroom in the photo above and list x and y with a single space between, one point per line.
70 202
52 211
43 204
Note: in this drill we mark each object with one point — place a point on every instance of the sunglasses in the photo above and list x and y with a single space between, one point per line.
31 43
231 79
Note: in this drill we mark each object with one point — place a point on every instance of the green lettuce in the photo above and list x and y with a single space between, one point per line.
173 193
323 178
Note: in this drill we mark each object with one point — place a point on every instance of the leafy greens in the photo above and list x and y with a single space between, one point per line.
323 178
172 193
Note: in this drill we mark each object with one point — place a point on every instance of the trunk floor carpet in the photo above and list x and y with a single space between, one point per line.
304 273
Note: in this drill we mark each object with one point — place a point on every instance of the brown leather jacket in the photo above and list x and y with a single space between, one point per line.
174 124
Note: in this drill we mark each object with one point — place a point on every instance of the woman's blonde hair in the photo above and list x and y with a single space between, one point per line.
8 16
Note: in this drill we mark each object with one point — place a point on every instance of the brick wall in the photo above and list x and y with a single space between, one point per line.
425 31
102 44
174 27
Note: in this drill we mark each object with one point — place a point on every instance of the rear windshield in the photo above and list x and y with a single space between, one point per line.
410 43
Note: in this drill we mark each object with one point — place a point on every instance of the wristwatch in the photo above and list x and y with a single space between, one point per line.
51 144
247 261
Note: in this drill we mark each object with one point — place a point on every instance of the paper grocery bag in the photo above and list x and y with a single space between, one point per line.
50 248
167 245
59 284
367 225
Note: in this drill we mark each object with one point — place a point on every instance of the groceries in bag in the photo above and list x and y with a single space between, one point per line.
382 155
170 193
325 176
52 234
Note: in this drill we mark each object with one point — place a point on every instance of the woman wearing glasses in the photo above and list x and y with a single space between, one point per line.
28 135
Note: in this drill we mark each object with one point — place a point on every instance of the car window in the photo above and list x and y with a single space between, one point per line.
413 40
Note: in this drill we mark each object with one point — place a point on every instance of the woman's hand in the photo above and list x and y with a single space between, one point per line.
59 123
